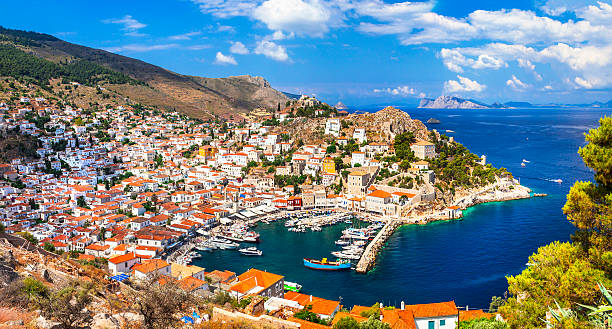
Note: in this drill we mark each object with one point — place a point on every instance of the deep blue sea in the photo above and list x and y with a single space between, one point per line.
467 260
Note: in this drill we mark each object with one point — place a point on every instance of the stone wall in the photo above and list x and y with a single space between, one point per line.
262 322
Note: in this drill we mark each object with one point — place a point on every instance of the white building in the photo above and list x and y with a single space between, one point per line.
332 127
358 158
360 135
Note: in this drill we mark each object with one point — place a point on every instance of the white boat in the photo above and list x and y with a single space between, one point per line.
223 243
343 255
203 232
251 251
343 242
203 248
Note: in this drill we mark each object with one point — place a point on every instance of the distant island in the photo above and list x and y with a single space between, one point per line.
341 106
452 102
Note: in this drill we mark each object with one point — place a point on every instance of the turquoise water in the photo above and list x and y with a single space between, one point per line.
466 260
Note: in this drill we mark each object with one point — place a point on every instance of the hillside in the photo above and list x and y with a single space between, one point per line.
44 56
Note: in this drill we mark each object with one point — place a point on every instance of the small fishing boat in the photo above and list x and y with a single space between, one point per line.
251 251
292 286
326 265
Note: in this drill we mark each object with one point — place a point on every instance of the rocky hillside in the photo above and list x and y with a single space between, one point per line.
450 102
381 126
136 80
248 91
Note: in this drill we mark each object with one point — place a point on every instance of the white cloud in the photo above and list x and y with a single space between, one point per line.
398 91
279 35
302 17
238 48
198 47
528 65
138 48
583 83
184 36
226 8
225 59
272 50
525 64
463 85
516 84
130 27
592 63
455 60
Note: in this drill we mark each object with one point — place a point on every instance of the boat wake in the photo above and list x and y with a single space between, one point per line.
554 180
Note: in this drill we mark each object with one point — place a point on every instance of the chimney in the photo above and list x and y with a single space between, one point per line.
311 298
380 305
467 308
403 306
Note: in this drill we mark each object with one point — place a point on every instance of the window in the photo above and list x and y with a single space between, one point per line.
442 323
431 325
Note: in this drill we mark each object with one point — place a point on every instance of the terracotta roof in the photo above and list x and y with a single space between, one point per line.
319 305
380 194
255 278
151 266
122 258
307 324
190 283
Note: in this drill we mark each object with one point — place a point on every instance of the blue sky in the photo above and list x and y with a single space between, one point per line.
356 51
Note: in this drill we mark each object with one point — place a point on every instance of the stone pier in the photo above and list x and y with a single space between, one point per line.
369 255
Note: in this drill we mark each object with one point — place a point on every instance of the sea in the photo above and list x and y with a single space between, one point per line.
466 260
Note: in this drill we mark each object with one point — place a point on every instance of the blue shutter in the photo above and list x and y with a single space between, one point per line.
431 325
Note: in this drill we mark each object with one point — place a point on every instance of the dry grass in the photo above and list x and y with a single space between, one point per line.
14 314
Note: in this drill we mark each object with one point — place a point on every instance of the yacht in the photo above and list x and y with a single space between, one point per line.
344 255
251 251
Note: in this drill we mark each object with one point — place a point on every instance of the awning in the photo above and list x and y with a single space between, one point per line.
120 277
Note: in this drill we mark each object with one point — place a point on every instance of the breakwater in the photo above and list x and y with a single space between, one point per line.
369 254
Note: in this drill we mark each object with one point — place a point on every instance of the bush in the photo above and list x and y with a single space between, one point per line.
67 306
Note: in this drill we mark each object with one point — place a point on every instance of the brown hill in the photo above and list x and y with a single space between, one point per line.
195 96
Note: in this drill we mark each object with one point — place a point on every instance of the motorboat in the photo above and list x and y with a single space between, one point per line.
292 286
344 255
251 251
326 265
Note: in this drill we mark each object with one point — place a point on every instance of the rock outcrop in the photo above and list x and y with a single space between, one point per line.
388 122
381 126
